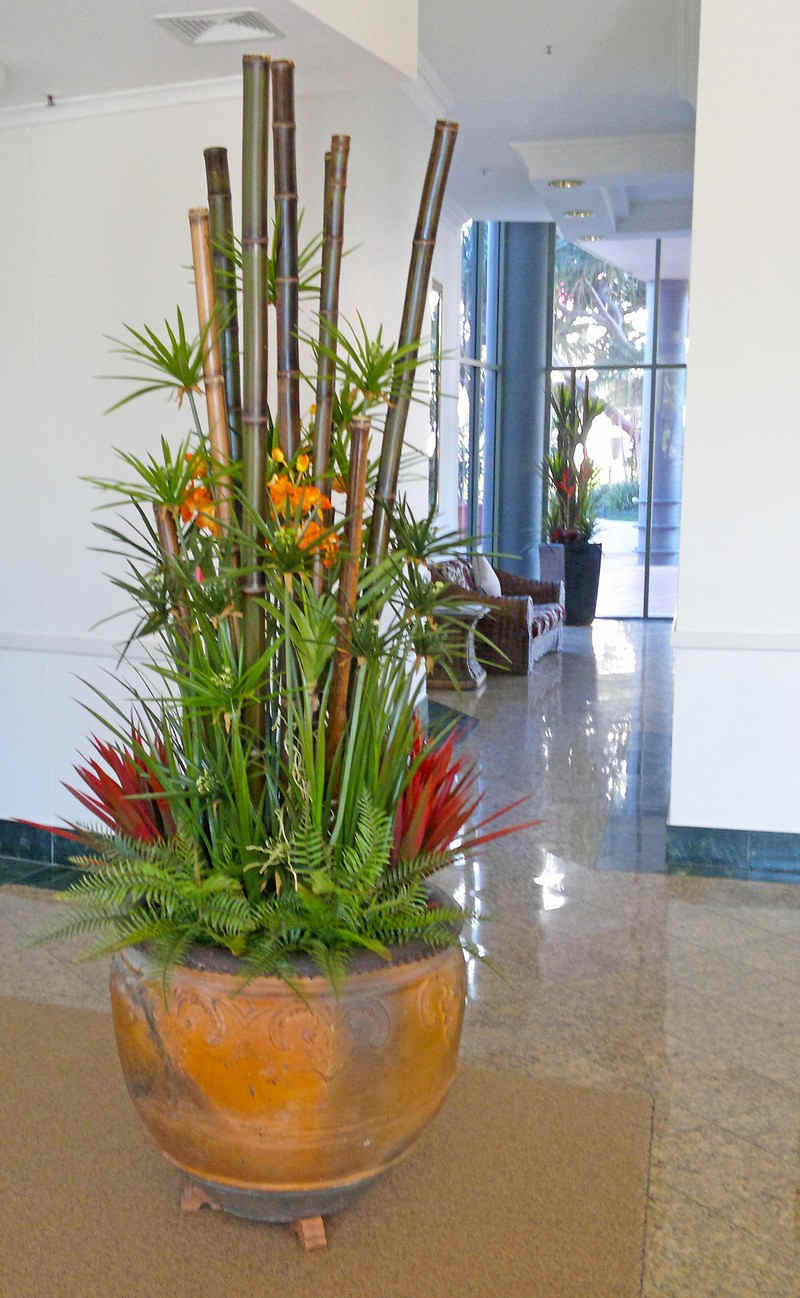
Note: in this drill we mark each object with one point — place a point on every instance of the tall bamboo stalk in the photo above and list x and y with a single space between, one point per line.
348 583
220 216
168 539
286 279
255 415
213 380
332 245
430 207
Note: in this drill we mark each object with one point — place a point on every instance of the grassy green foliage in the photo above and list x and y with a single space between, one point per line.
308 866
571 477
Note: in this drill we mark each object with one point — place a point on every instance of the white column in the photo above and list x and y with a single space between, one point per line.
737 683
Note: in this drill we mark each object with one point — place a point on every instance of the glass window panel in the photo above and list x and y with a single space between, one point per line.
434 392
666 478
484 474
673 321
600 310
469 239
492 294
614 445
466 388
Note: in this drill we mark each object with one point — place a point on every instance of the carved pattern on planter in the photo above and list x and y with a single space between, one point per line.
327 1036
202 1015
438 1003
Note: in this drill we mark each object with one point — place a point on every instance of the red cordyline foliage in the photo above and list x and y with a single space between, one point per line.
127 797
439 800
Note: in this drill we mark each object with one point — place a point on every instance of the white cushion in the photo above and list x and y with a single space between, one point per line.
486 579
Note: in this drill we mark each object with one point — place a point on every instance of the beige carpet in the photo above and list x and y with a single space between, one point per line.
519 1189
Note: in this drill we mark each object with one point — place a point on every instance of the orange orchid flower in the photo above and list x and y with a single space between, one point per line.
280 489
198 464
198 507
313 538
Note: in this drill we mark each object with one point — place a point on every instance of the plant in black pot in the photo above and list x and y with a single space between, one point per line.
572 479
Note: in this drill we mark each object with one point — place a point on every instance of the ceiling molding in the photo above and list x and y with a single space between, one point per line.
454 214
122 101
657 218
77 646
608 204
620 201
427 73
605 157
687 50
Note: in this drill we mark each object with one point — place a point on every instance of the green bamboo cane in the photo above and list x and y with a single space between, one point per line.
213 381
167 530
332 244
220 214
286 281
348 583
430 207
255 415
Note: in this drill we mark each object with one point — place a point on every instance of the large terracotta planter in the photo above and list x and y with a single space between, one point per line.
281 1107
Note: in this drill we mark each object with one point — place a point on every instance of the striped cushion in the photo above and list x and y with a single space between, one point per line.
546 617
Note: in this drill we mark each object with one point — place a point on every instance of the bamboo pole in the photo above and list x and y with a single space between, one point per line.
430 207
255 415
220 215
332 245
168 539
213 380
286 279
348 584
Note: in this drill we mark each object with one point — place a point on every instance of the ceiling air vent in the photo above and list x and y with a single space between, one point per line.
216 26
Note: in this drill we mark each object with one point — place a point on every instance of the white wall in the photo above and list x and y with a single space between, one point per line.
737 700
96 235
387 28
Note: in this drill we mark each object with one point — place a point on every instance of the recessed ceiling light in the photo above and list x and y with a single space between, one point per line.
590 238
215 26
564 184
579 213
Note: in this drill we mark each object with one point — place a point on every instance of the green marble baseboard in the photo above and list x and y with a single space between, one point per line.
733 853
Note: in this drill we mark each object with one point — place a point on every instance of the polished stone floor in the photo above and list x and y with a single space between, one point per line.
615 974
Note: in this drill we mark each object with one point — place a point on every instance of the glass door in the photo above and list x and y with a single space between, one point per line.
621 323
480 364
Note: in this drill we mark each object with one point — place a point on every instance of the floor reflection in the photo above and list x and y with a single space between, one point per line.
617 974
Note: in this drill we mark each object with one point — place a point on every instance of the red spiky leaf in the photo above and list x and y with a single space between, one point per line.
124 794
439 800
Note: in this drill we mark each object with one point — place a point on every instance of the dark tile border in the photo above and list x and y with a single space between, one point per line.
438 716
733 853
39 846
25 843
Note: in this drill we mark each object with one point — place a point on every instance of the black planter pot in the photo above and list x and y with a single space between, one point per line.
581 580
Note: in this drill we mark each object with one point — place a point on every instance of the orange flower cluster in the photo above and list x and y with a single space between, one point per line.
198 505
298 503
299 499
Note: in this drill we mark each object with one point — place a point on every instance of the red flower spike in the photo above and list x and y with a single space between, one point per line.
123 790
438 801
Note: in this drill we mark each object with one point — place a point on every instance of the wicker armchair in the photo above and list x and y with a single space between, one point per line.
523 624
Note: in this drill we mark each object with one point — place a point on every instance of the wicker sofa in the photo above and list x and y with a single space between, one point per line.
521 624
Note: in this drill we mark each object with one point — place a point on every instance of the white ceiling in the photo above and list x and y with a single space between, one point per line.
598 89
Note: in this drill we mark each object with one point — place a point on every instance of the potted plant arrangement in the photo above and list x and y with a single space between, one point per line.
572 479
287 985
